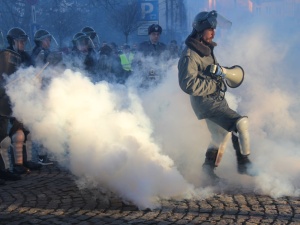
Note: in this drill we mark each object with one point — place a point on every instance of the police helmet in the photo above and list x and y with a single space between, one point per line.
78 36
205 20
81 38
154 28
89 31
40 35
16 34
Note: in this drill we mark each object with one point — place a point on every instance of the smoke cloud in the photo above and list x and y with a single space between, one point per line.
100 132
148 145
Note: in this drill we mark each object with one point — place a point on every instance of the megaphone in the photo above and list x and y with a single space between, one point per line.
234 76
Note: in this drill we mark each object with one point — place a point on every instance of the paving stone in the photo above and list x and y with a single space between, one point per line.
52 197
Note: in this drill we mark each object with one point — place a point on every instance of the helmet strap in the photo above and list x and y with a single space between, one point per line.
15 46
200 35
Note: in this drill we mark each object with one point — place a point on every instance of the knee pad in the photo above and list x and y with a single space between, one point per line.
5 153
28 147
242 126
28 137
17 143
18 137
5 143
242 123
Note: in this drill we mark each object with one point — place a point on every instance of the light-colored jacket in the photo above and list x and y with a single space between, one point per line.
194 79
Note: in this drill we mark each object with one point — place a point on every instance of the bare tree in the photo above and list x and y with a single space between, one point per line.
65 19
126 18
15 14
106 4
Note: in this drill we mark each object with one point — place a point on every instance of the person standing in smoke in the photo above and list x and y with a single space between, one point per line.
109 66
89 31
173 50
126 60
199 76
83 52
42 52
12 58
153 47
149 56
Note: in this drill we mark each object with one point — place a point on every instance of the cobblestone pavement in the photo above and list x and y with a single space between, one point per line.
50 196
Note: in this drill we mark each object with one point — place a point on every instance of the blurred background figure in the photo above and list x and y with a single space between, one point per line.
115 49
93 36
173 50
83 52
127 58
109 66
153 47
45 49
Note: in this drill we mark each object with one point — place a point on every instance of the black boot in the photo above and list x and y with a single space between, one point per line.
243 162
7 175
20 169
32 165
208 166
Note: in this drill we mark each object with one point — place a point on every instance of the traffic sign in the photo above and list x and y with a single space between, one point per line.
149 15
143 29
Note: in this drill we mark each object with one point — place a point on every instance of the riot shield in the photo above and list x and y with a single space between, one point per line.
54 58
10 61
1 40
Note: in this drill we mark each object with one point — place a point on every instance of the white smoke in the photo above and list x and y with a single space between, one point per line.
149 145
269 97
100 132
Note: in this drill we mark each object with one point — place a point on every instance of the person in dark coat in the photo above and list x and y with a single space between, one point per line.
45 49
15 57
109 65
153 47
83 52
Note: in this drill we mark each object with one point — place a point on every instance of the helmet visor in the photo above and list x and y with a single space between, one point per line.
223 22
22 43
216 19
84 43
48 42
96 41
1 40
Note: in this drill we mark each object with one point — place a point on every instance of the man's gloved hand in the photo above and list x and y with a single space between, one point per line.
217 70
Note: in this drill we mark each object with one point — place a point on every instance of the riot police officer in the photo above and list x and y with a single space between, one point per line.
45 49
89 31
12 58
207 88
18 40
83 52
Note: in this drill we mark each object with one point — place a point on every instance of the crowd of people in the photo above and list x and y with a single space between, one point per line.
199 75
101 61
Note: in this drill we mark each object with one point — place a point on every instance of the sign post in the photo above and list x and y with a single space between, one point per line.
149 15
34 27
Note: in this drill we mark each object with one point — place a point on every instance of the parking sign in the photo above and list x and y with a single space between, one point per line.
149 15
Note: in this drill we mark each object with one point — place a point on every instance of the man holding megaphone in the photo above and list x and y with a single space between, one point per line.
206 82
